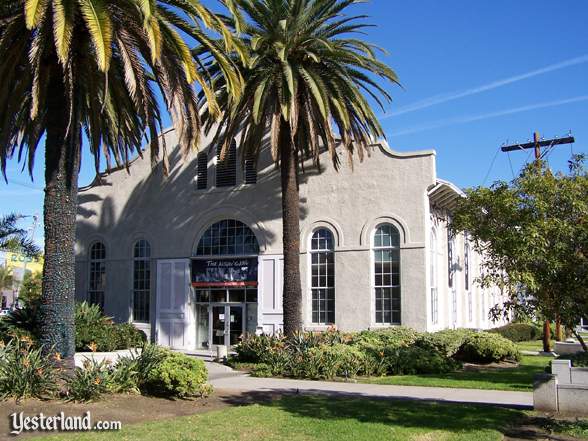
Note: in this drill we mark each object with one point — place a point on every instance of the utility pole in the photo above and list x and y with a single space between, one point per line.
536 145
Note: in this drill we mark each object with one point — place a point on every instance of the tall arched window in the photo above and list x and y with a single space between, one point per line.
228 237
97 274
141 280
451 275
322 262
466 272
433 281
387 274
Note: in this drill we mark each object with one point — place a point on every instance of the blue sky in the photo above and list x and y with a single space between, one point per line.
475 74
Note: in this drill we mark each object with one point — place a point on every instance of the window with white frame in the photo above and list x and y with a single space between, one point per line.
433 275
467 281
466 263
386 249
450 261
97 274
322 262
141 280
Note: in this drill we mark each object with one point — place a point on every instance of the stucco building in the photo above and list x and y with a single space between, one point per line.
195 259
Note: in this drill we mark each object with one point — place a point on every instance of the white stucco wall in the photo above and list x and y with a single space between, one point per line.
172 214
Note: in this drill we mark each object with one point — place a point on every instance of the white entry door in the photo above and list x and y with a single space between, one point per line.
176 327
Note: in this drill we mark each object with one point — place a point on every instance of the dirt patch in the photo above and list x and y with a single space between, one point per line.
129 409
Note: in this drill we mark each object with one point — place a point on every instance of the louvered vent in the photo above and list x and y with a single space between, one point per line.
226 171
250 171
202 172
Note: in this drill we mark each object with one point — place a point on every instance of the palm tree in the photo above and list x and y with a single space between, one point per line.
306 77
93 73
14 238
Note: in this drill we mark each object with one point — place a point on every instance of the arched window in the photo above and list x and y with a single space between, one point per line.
97 276
228 237
386 251
433 275
322 262
141 280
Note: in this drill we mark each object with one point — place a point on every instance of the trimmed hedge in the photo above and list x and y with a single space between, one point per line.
394 351
484 347
177 375
517 332
578 360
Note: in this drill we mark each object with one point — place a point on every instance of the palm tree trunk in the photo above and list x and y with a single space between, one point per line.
62 161
292 291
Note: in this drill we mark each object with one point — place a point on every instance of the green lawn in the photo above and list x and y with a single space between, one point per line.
517 379
322 418
533 345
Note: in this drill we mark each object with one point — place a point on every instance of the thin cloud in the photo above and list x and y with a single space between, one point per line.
440 99
467 119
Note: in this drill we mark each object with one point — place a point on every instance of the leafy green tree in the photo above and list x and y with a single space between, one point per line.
13 238
93 73
306 83
31 287
6 277
533 234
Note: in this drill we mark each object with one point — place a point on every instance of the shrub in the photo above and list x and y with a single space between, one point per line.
124 377
578 360
261 370
151 355
89 382
96 332
21 322
325 362
350 360
278 361
484 347
390 337
519 331
374 364
177 375
252 347
301 342
127 336
25 371
415 360
446 343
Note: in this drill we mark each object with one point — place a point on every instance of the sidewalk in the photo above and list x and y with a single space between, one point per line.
227 380
233 382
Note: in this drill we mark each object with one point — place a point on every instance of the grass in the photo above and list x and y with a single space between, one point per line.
516 378
533 345
577 428
295 418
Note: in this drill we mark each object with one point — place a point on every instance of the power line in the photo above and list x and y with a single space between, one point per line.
491 165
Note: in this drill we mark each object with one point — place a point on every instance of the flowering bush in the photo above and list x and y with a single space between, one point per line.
89 382
25 371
